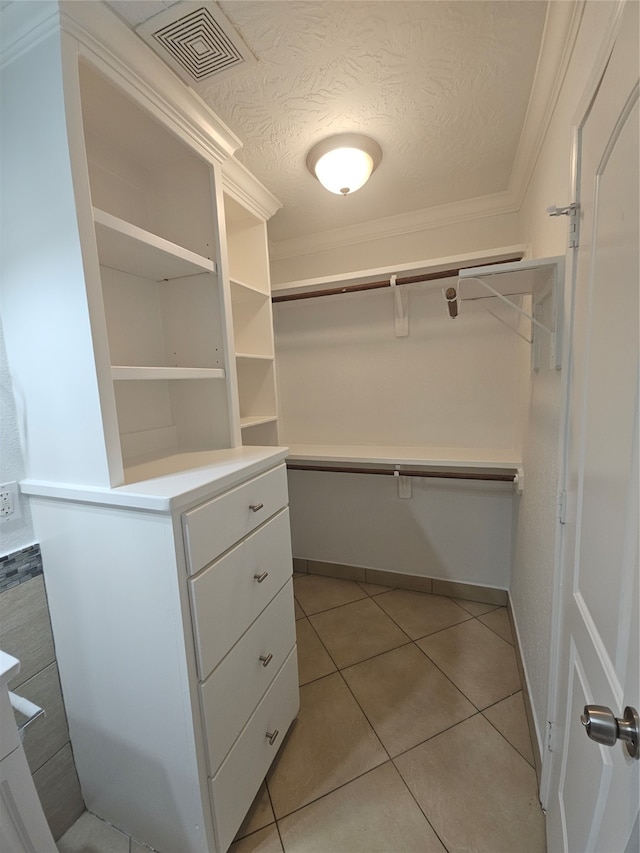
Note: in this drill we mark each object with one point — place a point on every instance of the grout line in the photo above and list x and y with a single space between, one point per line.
476 712
326 650
364 714
502 734
479 618
414 798
333 790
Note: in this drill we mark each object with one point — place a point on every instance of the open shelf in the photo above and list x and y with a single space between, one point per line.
126 247
459 462
466 457
245 423
253 356
244 286
247 247
121 372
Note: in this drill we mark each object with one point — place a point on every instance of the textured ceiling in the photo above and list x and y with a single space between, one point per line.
442 85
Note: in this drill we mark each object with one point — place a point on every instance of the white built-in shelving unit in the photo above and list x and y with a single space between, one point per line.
137 316
252 323
160 287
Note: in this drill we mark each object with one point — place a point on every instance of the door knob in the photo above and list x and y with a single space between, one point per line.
603 727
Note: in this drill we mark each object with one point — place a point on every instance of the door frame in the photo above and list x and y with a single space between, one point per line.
550 751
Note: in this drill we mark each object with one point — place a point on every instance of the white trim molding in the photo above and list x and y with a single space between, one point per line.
247 189
426 219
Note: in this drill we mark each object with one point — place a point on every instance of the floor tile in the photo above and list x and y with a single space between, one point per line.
373 814
419 613
498 621
510 718
480 664
89 834
259 815
477 792
406 698
316 593
330 743
300 614
265 840
357 631
313 659
475 608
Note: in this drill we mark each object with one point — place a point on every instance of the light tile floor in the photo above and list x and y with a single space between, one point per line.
411 738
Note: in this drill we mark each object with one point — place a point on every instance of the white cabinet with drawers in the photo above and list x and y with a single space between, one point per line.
172 608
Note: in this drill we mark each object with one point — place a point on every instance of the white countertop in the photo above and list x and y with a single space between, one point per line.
171 482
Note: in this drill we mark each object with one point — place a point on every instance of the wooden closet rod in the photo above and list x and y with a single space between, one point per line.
376 285
506 477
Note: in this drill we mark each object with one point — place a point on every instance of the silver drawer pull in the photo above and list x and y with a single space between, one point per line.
266 659
261 577
272 736
255 507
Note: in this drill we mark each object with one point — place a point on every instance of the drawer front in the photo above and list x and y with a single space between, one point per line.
227 597
236 686
237 781
215 526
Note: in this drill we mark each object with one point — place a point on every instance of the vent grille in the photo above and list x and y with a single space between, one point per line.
199 44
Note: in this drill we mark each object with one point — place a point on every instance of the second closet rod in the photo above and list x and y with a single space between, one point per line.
376 285
507 476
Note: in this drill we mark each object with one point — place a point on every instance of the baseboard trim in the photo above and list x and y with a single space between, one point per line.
400 580
528 707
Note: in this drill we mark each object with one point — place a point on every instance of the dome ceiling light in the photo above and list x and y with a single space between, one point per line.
345 162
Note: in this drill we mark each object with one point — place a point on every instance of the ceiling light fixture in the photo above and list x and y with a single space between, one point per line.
345 162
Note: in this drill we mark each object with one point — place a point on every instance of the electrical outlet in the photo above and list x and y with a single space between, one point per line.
8 499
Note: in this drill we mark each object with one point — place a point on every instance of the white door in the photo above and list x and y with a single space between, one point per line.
594 789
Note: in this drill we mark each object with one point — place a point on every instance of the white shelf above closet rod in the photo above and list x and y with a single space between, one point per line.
391 281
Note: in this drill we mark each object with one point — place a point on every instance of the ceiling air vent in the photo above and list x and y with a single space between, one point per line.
197 41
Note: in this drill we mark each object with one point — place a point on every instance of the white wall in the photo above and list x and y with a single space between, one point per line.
457 531
334 255
345 378
532 578
16 531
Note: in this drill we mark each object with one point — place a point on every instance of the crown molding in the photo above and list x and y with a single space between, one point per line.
561 28
496 204
239 182
111 46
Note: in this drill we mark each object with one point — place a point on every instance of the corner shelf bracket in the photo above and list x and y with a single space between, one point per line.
542 279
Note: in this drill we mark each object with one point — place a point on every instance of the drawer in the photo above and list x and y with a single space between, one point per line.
213 527
235 687
237 781
227 596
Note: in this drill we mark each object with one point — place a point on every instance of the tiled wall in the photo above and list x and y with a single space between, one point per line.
25 633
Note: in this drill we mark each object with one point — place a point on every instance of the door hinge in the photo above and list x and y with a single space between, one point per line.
573 212
561 507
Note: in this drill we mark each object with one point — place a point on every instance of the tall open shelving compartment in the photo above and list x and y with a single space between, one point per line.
154 213
252 323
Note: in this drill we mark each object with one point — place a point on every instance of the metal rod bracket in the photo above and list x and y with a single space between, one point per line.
401 303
